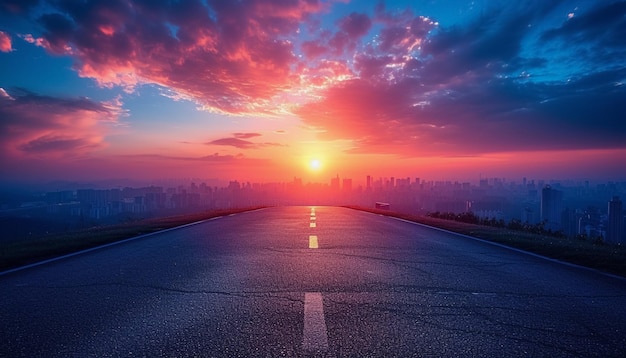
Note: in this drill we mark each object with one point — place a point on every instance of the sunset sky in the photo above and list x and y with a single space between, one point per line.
255 90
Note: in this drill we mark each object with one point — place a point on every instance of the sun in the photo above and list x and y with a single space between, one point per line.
315 164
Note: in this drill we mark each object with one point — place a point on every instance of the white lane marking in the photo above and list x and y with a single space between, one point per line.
314 335
313 218
313 244
312 225
484 294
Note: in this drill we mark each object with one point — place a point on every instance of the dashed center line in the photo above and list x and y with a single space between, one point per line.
314 335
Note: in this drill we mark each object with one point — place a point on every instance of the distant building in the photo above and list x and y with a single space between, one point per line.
614 233
569 222
334 183
551 207
528 215
347 185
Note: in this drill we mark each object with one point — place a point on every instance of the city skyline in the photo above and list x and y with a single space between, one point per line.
563 209
266 91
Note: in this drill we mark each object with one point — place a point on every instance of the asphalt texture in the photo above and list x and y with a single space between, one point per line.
269 283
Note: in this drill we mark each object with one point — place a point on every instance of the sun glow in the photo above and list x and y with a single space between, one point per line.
315 164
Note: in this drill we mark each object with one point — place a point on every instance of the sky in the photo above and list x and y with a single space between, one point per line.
257 90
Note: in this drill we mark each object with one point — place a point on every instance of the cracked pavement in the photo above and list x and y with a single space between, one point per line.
235 287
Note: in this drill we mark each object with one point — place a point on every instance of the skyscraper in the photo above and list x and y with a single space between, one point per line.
551 207
614 233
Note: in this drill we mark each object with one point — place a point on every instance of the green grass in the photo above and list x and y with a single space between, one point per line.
604 257
25 252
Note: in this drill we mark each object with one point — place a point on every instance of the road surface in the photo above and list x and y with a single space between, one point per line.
309 281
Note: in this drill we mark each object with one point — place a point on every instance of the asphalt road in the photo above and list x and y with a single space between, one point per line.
303 281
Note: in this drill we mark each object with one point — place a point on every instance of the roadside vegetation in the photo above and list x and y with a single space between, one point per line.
24 252
584 251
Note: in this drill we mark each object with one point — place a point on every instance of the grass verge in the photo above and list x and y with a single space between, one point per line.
604 257
26 252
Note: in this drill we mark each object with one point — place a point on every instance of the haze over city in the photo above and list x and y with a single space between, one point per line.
271 90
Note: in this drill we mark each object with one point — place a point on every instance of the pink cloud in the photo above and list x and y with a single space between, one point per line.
233 57
246 135
54 143
233 142
238 141
355 109
5 42
45 127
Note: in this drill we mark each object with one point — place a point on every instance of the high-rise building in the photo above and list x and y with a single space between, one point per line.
614 234
551 207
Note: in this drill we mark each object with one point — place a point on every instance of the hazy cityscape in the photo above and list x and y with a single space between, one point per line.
568 208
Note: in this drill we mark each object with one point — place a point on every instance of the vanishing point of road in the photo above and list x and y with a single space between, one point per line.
309 281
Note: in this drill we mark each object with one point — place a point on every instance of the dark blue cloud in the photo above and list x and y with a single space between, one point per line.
605 24
17 6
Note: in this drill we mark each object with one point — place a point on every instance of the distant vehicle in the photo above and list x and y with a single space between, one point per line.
380 205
